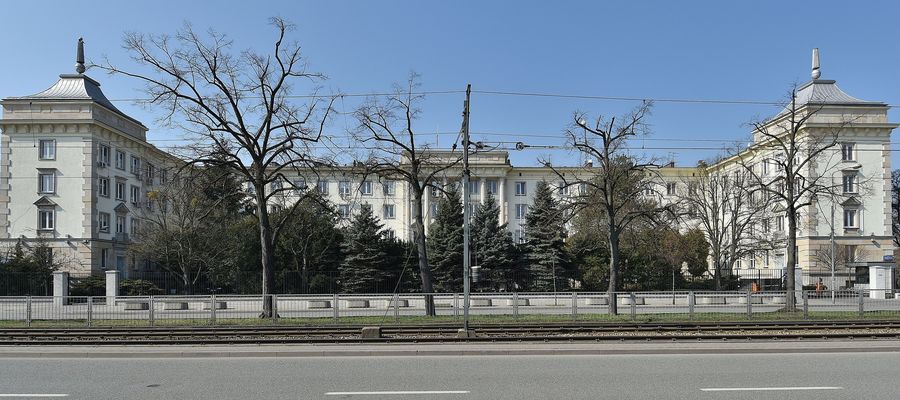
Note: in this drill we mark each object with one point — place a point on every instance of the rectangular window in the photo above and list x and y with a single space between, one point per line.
104 258
103 222
277 184
120 191
850 183
46 219
344 188
47 149
389 211
491 187
765 167
474 188
390 234
344 210
103 155
670 188
120 224
521 210
163 176
850 253
389 187
151 170
519 236
299 185
322 187
765 225
365 188
135 165
135 195
135 226
779 223
103 187
847 151
563 189
47 182
851 219
120 160
521 189
434 209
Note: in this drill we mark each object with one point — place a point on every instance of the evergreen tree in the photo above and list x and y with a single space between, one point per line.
545 235
366 258
492 246
445 243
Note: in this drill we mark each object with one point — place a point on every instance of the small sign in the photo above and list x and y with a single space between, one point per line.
889 258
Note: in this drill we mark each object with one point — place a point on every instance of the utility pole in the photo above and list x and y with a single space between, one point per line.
466 213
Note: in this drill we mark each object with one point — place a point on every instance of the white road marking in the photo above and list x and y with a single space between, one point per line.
34 395
397 392
749 389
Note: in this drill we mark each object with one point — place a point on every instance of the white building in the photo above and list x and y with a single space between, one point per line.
76 171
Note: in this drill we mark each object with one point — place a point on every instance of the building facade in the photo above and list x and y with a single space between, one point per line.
76 172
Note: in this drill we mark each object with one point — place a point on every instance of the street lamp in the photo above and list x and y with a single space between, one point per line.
833 200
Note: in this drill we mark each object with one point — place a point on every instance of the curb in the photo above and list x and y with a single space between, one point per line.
559 351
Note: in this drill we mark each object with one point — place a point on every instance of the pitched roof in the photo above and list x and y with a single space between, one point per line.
76 87
825 91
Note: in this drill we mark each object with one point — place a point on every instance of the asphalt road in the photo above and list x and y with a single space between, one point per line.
721 376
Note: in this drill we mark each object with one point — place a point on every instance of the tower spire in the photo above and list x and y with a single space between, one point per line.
79 58
816 72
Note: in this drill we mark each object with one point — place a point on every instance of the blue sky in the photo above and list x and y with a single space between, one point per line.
752 50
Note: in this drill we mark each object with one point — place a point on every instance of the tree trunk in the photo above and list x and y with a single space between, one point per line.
267 254
424 268
613 237
791 256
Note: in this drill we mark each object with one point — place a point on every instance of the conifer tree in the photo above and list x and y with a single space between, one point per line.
545 235
445 242
366 257
492 246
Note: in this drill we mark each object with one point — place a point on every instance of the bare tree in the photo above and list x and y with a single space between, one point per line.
791 163
387 126
730 211
239 111
184 231
840 258
617 184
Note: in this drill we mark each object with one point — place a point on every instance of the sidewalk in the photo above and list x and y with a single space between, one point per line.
450 349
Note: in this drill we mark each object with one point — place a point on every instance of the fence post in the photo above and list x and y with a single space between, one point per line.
28 311
633 306
212 309
90 306
805 296
275 307
575 306
397 307
862 307
335 307
749 304
456 305
516 304
691 301
150 309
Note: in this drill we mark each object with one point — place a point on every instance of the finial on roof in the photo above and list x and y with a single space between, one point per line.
79 58
816 72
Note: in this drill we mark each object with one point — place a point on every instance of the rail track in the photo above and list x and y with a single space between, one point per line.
558 332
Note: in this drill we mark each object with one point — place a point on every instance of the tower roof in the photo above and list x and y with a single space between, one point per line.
77 87
825 91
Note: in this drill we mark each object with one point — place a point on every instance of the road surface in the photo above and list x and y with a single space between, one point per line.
817 376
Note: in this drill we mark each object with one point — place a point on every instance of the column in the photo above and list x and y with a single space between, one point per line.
481 185
112 286
426 208
501 199
60 288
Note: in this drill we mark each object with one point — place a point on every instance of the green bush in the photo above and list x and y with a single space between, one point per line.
138 287
89 286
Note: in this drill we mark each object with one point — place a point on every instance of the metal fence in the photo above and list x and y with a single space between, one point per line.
498 307
21 284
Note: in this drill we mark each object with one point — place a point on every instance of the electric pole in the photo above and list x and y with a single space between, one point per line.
466 212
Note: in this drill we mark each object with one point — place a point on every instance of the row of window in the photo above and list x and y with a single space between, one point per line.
388 211
47 151
47 221
137 199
